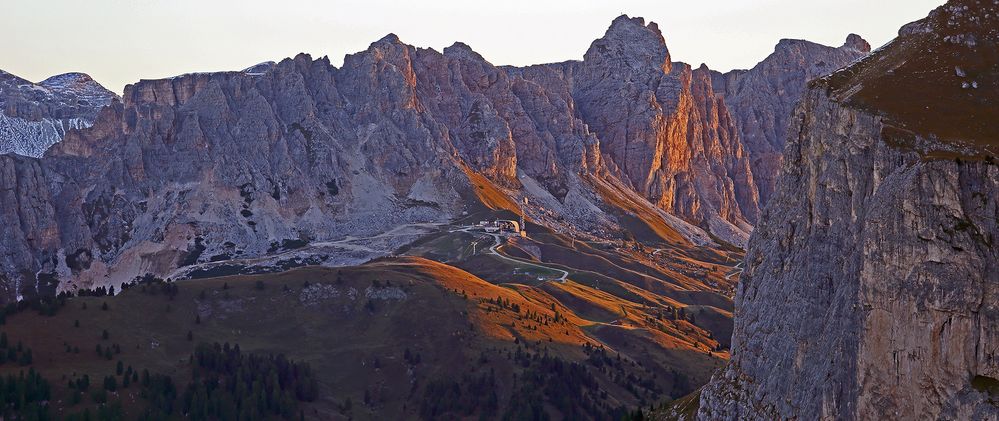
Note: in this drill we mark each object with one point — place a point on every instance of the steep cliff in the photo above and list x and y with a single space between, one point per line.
662 130
762 99
871 285
657 123
34 116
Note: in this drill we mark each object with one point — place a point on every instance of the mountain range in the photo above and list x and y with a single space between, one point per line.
629 169
230 163
442 237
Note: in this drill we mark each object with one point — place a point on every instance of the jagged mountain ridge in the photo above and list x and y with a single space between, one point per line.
660 130
34 116
763 98
871 285
303 151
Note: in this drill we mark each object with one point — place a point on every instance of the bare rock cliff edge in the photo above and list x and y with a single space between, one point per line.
871 284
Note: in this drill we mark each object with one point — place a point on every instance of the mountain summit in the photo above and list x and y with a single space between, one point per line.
34 116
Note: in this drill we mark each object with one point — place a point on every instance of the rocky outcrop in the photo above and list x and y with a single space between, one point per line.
662 130
871 284
659 123
34 116
762 99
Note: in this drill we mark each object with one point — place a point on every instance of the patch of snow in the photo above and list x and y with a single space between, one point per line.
33 138
259 69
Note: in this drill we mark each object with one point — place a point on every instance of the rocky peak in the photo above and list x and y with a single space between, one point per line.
389 38
858 43
259 68
10 79
168 92
34 116
804 47
762 99
460 50
389 49
383 71
68 79
630 48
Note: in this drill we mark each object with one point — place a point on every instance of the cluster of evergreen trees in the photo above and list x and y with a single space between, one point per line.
106 412
50 305
568 386
157 390
412 358
544 318
230 384
504 303
154 286
96 292
108 352
542 383
18 354
24 396
160 394
463 397
614 369
227 384
45 306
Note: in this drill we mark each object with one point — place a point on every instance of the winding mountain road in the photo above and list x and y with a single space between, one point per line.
497 241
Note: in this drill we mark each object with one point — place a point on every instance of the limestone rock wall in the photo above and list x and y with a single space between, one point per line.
871 285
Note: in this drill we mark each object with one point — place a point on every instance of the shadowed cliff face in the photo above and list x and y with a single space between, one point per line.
235 164
871 285
762 99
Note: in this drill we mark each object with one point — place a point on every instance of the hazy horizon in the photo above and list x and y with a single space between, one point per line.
118 42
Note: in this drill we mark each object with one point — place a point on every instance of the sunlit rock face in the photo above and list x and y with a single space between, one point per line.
871 284
662 130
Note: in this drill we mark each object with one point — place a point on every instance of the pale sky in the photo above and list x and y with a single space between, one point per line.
121 41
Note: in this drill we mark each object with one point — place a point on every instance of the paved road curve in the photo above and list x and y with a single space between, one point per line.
497 241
